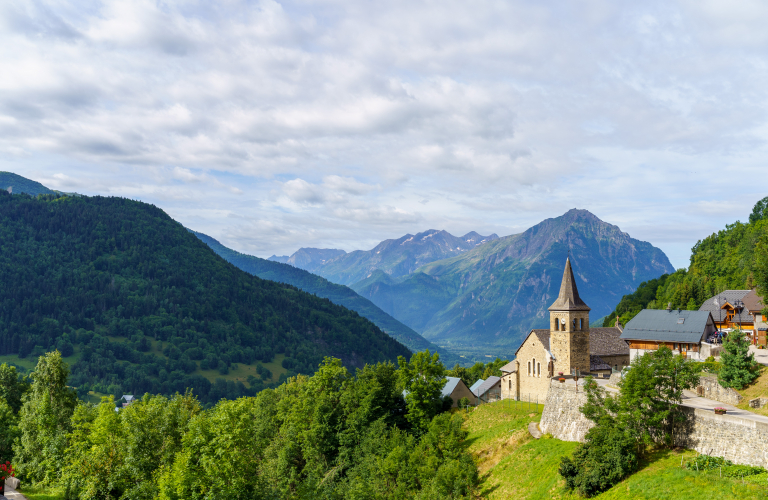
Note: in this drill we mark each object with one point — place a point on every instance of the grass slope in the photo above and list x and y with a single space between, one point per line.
514 465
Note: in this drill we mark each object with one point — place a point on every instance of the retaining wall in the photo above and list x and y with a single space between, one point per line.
713 390
741 440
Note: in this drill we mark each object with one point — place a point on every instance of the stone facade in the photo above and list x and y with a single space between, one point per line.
509 388
758 402
713 390
532 370
569 340
740 440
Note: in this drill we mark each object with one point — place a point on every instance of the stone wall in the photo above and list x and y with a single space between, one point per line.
561 416
741 440
713 390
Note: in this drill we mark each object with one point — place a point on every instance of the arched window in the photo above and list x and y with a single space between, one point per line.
539 368
529 368
534 367
510 384
574 324
581 323
557 325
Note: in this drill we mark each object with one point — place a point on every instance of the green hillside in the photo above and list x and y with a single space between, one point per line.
734 258
489 297
109 279
22 184
338 294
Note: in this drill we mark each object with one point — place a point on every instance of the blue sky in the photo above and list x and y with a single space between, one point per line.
275 125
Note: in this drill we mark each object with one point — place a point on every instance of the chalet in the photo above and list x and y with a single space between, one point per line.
742 309
127 399
457 389
685 332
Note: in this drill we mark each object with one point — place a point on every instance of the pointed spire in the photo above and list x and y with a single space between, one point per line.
569 299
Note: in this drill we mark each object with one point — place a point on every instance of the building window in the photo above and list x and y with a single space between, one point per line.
510 385
581 323
538 365
574 324
529 368
557 325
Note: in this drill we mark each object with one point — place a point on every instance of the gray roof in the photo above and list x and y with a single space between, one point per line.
667 326
487 385
450 385
509 367
602 341
597 363
476 385
714 305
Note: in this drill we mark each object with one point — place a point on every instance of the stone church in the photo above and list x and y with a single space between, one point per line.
568 346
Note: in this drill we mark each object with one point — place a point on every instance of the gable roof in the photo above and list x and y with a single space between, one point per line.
667 326
753 302
476 385
714 305
597 363
602 341
568 299
487 385
450 385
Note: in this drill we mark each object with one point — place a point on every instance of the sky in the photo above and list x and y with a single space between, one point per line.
338 124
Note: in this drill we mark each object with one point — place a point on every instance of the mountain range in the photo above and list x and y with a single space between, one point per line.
338 294
491 294
18 184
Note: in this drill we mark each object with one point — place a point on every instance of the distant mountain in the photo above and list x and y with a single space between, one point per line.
494 294
19 184
309 259
279 258
399 257
338 294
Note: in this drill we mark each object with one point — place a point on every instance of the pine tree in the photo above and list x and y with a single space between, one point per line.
738 368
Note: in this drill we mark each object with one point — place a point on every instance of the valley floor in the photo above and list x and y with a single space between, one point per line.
512 464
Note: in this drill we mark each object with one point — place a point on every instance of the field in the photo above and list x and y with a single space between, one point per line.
514 465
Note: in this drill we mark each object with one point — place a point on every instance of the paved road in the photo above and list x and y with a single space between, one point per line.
761 355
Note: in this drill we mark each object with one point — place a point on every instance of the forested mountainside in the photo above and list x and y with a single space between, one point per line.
21 184
144 304
493 295
735 258
338 294
396 258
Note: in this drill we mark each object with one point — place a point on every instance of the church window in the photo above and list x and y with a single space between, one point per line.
574 324
581 323
538 365
557 325
510 385
529 368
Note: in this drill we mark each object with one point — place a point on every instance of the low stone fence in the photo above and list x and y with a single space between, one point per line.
744 441
713 390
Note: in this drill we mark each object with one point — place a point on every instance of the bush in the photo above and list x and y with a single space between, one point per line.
738 365
607 457
464 402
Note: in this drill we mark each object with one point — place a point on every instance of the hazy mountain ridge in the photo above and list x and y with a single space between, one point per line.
21 184
497 292
399 257
338 294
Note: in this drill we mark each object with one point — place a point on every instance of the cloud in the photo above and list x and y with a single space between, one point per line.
331 122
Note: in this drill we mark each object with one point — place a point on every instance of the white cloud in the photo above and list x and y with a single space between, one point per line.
274 125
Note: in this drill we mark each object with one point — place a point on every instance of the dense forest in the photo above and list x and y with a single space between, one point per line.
735 258
334 435
111 279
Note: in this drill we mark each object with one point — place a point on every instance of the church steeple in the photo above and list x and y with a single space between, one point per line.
569 327
569 299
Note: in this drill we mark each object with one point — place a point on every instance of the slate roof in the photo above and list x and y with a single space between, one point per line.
602 341
477 384
597 363
664 326
509 367
753 302
450 385
486 386
714 305
568 299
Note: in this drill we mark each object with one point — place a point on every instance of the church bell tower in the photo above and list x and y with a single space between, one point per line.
569 327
